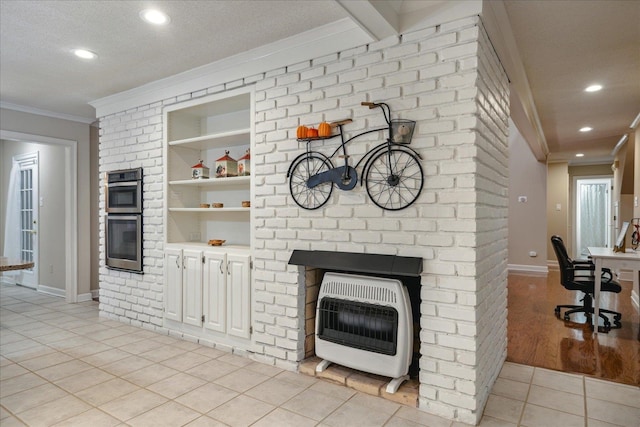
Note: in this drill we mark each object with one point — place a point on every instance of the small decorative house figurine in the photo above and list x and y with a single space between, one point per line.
226 166
244 164
199 171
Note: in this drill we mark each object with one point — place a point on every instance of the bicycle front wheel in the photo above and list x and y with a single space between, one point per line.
305 196
394 179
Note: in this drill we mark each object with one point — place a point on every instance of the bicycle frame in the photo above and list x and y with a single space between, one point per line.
367 156
391 171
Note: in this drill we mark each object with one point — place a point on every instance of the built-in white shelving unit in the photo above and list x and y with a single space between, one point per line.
208 288
203 129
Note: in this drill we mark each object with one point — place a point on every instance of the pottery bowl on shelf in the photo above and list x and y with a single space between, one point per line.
246 204
217 205
204 205
215 242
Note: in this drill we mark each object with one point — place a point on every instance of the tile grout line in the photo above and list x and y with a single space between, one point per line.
584 394
526 398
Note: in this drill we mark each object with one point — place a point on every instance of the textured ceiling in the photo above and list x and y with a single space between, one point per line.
37 69
564 45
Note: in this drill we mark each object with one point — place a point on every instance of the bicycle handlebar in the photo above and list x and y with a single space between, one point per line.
386 110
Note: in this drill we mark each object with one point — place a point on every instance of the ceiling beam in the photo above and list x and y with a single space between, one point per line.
378 20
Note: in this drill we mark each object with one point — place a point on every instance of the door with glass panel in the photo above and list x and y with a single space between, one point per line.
28 216
593 214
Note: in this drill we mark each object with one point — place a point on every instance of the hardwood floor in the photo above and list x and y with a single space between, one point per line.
536 337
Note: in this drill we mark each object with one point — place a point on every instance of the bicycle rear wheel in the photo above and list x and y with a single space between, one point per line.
301 171
394 179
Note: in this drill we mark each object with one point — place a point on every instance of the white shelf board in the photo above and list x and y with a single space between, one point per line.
213 182
225 247
212 210
216 140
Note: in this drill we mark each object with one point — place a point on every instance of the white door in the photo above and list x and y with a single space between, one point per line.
239 296
28 188
173 284
215 292
192 287
593 214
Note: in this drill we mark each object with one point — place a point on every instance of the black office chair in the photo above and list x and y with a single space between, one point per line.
571 279
582 267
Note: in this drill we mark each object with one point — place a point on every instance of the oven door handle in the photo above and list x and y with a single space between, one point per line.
124 184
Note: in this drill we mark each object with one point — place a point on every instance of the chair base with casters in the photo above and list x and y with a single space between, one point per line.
587 309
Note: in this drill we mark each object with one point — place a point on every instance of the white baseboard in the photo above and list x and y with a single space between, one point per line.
52 291
553 265
625 275
531 270
6 280
85 297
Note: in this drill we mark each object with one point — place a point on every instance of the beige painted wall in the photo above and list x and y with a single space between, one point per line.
17 121
95 196
634 139
557 204
527 220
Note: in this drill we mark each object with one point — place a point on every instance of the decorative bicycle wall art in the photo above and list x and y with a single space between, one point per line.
392 172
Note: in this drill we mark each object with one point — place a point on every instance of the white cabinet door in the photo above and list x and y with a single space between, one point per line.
238 295
173 284
215 292
192 287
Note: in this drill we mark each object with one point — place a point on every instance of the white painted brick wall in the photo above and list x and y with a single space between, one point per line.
435 78
448 79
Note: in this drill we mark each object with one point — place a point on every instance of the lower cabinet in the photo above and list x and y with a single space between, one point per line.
209 290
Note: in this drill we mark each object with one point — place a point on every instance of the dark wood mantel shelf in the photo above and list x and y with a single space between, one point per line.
388 265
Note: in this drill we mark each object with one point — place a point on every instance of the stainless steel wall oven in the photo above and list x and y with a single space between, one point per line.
123 223
124 191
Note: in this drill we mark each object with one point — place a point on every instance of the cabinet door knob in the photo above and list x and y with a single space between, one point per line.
177 265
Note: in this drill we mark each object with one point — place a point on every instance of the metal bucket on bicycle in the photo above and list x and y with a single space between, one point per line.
392 171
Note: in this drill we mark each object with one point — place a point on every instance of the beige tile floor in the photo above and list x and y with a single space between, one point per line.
61 364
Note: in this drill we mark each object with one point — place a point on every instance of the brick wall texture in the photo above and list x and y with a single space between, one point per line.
449 80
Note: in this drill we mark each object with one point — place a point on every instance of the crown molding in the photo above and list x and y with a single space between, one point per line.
46 113
496 22
331 38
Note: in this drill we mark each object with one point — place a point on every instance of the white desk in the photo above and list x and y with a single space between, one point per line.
606 257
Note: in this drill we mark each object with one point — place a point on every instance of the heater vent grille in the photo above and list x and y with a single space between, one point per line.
372 292
359 325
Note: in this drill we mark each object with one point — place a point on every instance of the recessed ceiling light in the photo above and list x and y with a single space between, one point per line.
84 54
153 16
586 129
593 88
580 155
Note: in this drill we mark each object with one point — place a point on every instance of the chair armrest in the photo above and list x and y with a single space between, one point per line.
606 276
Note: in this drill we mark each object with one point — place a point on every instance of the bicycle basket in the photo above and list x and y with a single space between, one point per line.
402 131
